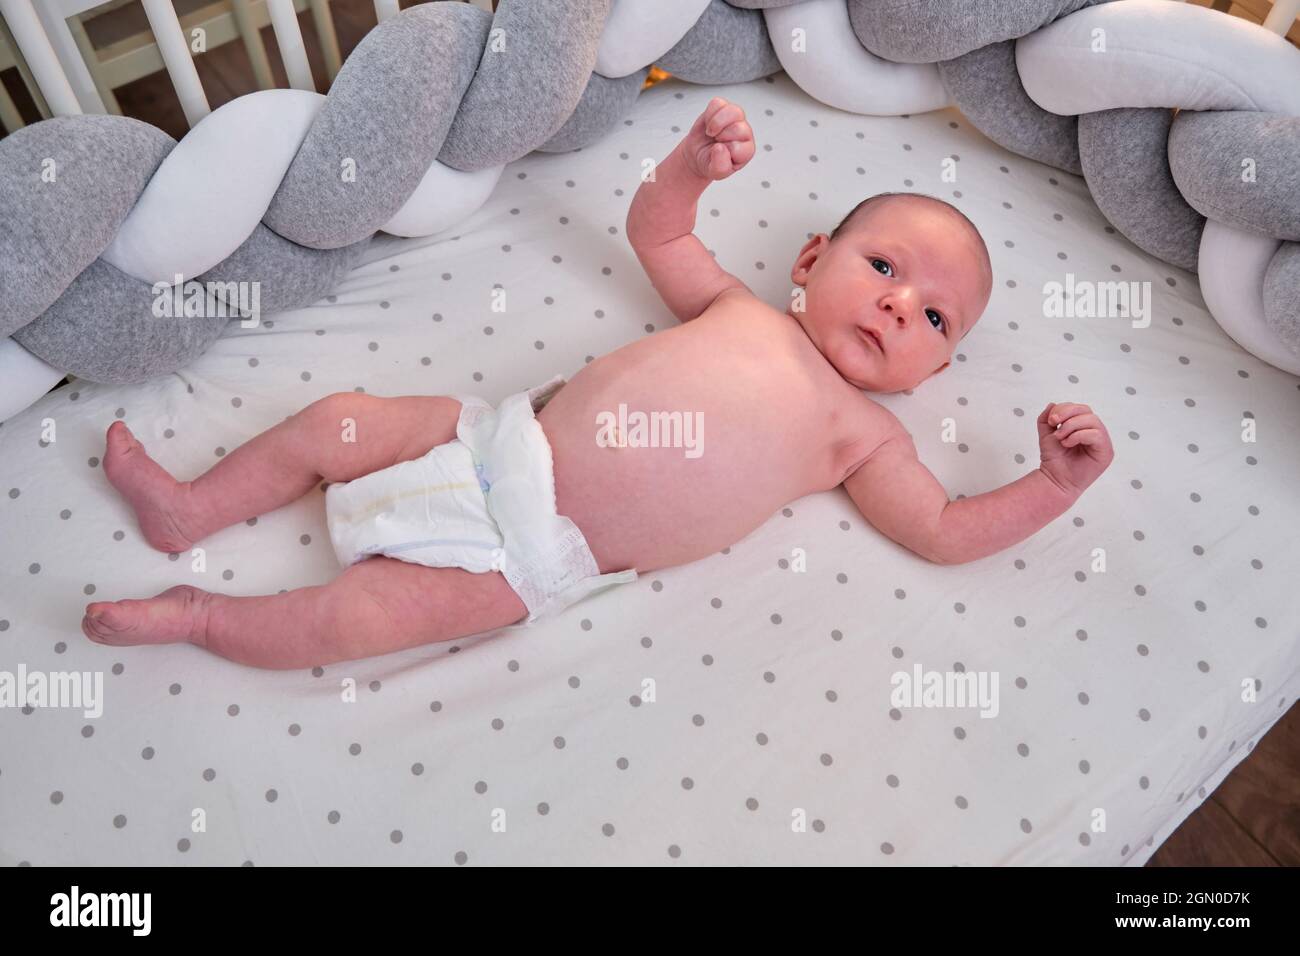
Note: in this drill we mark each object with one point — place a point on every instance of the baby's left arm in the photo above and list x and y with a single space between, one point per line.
903 499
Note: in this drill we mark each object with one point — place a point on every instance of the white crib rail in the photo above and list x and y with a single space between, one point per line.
39 54
293 51
1282 15
24 73
175 52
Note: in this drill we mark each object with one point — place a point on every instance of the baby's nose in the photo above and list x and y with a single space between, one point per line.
898 311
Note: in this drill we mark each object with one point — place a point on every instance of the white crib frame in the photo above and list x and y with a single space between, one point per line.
48 39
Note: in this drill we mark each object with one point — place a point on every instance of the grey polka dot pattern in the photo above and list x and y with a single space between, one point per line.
1120 682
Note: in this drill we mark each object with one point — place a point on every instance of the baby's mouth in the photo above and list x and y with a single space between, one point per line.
869 336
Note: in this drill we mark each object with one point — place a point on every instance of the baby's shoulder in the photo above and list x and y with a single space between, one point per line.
733 301
863 425
867 416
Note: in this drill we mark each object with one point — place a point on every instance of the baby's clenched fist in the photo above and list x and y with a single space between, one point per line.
720 142
1074 445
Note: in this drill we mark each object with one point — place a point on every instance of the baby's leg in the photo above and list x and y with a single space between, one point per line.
338 438
376 606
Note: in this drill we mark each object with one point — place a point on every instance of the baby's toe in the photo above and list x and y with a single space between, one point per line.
106 622
119 435
93 629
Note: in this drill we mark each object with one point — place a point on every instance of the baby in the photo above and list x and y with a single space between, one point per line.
454 518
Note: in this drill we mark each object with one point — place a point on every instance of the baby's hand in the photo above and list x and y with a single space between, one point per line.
1074 445
720 142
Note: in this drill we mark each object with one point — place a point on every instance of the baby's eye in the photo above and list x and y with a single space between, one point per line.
935 319
876 264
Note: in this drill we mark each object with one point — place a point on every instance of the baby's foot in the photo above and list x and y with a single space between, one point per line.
178 614
146 485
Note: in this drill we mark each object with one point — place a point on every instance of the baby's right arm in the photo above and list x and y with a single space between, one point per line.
662 215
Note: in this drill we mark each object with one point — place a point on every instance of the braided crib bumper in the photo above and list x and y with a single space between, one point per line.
104 217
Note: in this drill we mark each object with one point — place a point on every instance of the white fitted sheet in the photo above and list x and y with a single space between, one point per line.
772 685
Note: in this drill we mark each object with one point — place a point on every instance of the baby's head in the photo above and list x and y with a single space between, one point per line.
905 270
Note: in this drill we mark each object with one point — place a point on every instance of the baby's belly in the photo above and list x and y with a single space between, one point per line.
643 502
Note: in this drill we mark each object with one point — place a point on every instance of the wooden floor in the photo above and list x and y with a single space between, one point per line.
1252 819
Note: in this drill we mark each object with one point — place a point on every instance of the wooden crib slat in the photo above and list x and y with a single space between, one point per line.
87 50
329 41
246 24
385 9
175 50
288 35
24 73
1282 16
39 54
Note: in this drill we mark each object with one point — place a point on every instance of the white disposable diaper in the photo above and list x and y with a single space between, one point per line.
483 502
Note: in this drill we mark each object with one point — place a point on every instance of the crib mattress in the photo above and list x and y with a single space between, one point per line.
737 710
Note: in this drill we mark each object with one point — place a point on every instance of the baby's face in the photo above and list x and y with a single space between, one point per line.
888 301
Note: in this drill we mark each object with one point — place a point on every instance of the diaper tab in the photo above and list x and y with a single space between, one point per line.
539 395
